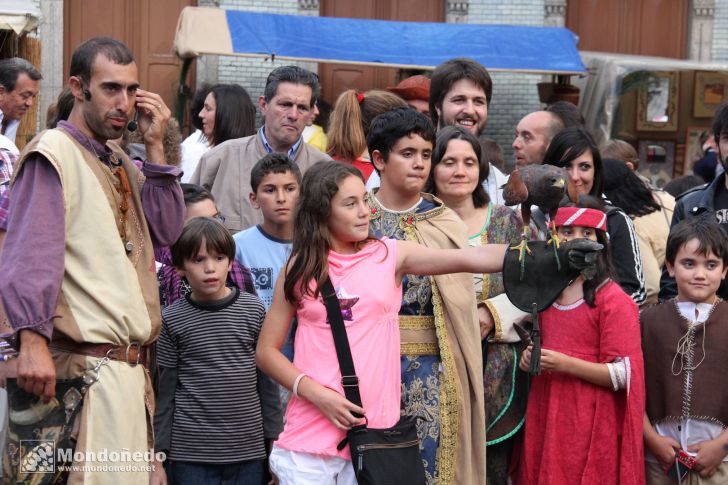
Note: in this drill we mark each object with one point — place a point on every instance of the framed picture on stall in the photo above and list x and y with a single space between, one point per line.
657 102
711 89
657 160
693 149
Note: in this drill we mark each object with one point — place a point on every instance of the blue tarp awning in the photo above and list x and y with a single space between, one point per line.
549 50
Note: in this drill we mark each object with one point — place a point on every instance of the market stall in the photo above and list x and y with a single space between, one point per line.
658 105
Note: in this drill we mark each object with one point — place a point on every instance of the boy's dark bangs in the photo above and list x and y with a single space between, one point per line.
214 234
219 243
425 134
710 244
278 169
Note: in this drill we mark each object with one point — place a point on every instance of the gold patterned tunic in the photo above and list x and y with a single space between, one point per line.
441 356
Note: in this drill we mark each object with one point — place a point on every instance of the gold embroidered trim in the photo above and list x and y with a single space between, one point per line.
407 219
419 349
416 322
423 216
449 406
498 333
410 234
447 453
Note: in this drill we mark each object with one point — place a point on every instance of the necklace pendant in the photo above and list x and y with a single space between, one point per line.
129 246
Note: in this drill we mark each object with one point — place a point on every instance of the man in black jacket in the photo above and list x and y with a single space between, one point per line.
711 198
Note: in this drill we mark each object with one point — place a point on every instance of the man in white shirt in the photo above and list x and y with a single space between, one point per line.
460 91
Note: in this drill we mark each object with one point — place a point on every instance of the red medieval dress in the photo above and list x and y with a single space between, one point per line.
577 432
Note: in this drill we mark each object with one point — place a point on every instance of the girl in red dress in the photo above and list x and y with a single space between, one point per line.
585 409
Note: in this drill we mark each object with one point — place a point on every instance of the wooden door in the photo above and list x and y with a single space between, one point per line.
336 78
641 27
146 26
154 28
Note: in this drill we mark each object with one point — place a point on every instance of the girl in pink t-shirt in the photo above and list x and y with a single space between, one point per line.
332 237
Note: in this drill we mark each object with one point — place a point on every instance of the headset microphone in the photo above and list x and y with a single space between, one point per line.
133 124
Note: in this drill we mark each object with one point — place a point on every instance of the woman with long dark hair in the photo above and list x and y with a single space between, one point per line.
651 213
227 113
574 149
457 175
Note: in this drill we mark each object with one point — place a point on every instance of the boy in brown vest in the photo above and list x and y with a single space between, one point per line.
684 342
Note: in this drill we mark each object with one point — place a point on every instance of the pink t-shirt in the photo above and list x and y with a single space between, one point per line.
370 302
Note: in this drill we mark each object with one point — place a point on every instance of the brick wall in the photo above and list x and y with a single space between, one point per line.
514 95
516 12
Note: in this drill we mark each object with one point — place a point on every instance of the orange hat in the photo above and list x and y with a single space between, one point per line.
414 87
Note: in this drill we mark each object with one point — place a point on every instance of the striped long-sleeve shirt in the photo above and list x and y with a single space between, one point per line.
217 416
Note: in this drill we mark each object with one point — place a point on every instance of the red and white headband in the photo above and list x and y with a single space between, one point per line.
576 216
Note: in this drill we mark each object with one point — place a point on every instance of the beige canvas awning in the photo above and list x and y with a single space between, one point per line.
20 16
202 30
600 92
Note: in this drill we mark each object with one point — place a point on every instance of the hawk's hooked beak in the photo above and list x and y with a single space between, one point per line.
559 183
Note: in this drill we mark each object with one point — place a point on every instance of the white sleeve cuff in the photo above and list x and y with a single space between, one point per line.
620 372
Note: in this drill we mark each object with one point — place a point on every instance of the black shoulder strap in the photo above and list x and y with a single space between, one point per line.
349 380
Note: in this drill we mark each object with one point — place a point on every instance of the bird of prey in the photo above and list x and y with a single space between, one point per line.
539 185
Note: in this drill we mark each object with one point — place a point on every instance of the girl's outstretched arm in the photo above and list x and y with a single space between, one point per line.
413 258
272 362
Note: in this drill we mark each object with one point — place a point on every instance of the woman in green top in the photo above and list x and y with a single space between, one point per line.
457 176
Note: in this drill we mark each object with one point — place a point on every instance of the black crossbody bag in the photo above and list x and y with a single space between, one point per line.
388 456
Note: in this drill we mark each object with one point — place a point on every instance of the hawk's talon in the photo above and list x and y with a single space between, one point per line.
522 248
554 236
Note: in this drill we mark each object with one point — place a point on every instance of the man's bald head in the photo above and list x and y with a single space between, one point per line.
533 135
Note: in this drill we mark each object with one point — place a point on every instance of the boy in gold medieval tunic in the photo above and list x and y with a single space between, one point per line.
441 361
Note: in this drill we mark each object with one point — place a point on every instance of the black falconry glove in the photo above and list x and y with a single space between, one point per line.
581 255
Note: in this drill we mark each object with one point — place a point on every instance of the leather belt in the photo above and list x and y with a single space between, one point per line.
132 354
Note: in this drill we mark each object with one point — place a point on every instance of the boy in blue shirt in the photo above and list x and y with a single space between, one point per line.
265 248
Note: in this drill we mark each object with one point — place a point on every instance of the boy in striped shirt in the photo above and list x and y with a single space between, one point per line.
215 411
